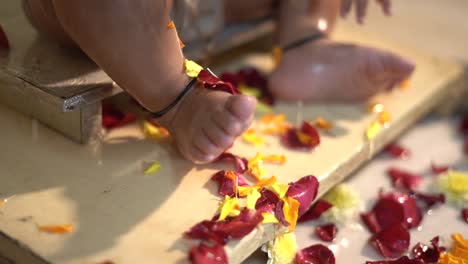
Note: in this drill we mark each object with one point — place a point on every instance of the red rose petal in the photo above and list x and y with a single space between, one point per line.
214 83
465 214
392 241
267 201
226 184
429 200
304 191
220 232
204 254
391 209
113 118
235 78
4 43
464 126
253 78
239 163
404 180
314 212
438 169
315 254
402 260
326 232
428 254
291 140
397 151
279 213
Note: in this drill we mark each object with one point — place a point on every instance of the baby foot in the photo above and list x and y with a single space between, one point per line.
332 71
207 123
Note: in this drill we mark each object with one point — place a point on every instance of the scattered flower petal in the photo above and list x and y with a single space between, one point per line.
113 118
438 169
57 229
397 151
316 254
154 132
345 203
403 179
239 162
283 249
322 123
459 252
4 43
291 212
212 82
252 137
402 260
392 241
228 182
428 254
306 138
281 159
392 209
429 200
385 117
373 130
267 201
192 69
255 167
252 199
454 184
326 232
465 214
171 25
269 218
405 84
229 207
304 191
153 168
315 211
204 254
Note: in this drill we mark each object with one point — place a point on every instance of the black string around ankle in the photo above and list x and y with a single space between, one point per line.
168 108
310 38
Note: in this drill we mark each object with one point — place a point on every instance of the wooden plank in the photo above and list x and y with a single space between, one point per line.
122 215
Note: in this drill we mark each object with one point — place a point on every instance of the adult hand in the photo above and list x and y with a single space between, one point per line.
360 7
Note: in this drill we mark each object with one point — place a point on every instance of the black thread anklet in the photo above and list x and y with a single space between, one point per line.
168 108
310 38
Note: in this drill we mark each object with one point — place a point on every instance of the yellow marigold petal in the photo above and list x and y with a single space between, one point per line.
275 158
243 191
291 212
252 91
375 107
266 182
277 54
283 249
272 118
279 189
373 130
56 229
230 207
256 168
171 25
460 241
192 69
153 168
153 132
263 108
250 136
252 198
322 123
385 117
269 218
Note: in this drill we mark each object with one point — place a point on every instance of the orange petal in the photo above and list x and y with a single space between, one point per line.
171 25
405 84
385 117
322 123
291 212
57 229
275 158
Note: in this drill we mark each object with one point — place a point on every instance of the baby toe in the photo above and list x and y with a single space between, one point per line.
228 123
219 137
241 106
204 150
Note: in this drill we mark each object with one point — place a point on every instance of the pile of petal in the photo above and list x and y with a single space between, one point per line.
247 204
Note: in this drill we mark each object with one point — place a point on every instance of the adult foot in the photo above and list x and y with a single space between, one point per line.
333 71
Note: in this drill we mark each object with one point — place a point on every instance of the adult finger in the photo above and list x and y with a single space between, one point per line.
361 10
345 7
